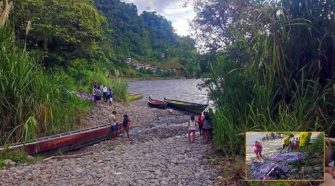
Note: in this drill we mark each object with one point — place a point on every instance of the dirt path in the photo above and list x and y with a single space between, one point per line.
157 154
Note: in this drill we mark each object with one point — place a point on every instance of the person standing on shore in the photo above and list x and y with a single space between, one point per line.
126 123
110 96
112 121
297 143
191 129
257 147
207 127
304 139
104 93
287 142
97 94
200 123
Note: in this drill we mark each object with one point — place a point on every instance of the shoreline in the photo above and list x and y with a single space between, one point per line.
158 153
154 78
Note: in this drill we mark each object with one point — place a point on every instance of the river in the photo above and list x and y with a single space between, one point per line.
183 89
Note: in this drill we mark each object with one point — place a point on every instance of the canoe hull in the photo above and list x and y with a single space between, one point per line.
157 103
67 141
187 106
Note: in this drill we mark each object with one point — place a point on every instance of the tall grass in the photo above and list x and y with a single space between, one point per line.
277 88
32 102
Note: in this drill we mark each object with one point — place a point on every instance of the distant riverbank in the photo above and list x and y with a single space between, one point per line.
154 78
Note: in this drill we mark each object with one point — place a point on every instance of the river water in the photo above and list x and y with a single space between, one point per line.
182 89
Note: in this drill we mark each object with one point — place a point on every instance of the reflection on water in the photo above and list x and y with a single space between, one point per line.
172 89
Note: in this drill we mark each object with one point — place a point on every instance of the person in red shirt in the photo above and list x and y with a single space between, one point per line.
297 143
200 122
257 147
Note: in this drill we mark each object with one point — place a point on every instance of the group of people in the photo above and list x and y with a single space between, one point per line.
297 143
102 92
272 136
205 127
115 125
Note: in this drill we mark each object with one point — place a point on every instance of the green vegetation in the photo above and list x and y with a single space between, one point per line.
33 102
134 97
273 72
60 31
44 59
147 38
52 49
317 147
17 156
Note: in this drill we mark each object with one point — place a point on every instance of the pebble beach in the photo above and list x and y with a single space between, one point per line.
157 153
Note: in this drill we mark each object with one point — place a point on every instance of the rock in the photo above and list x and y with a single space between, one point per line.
9 162
317 168
308 169
205 161
164 182
79 170
141 182
158 173
282 176
19 172
294 170
99 171
29 157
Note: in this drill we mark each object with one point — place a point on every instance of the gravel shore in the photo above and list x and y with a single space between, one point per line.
158 153
269 148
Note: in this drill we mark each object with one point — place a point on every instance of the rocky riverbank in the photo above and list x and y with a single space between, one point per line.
158 153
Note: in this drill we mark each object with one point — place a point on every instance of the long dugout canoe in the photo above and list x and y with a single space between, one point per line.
65 141
195 108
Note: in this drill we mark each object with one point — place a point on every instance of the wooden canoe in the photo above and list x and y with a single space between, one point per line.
65 141
195 108
157 103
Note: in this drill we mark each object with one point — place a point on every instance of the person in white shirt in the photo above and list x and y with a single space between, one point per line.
191 129
112 121
104 93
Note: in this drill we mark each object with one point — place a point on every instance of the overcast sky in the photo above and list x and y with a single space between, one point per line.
172 10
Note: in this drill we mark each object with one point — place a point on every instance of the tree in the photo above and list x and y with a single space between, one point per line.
61 30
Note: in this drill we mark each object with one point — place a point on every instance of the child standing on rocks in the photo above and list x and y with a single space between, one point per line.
297 143
257 147
191 129
112 121
288 143
207 127
200 124
125 124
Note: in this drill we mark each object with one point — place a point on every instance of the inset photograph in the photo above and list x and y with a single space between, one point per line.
294 156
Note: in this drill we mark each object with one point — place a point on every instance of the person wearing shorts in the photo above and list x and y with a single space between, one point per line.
125 124
257 147
112 121
207 127
191 129
200 123
97 94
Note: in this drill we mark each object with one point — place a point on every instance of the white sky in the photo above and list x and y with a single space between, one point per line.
172 10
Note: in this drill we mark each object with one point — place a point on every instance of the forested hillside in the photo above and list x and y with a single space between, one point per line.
52 49
147 37
105 32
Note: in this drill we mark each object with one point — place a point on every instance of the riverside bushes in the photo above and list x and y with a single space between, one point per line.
278 75
32 102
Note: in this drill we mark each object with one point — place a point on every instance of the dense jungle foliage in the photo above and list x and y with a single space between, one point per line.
273 68
52 49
